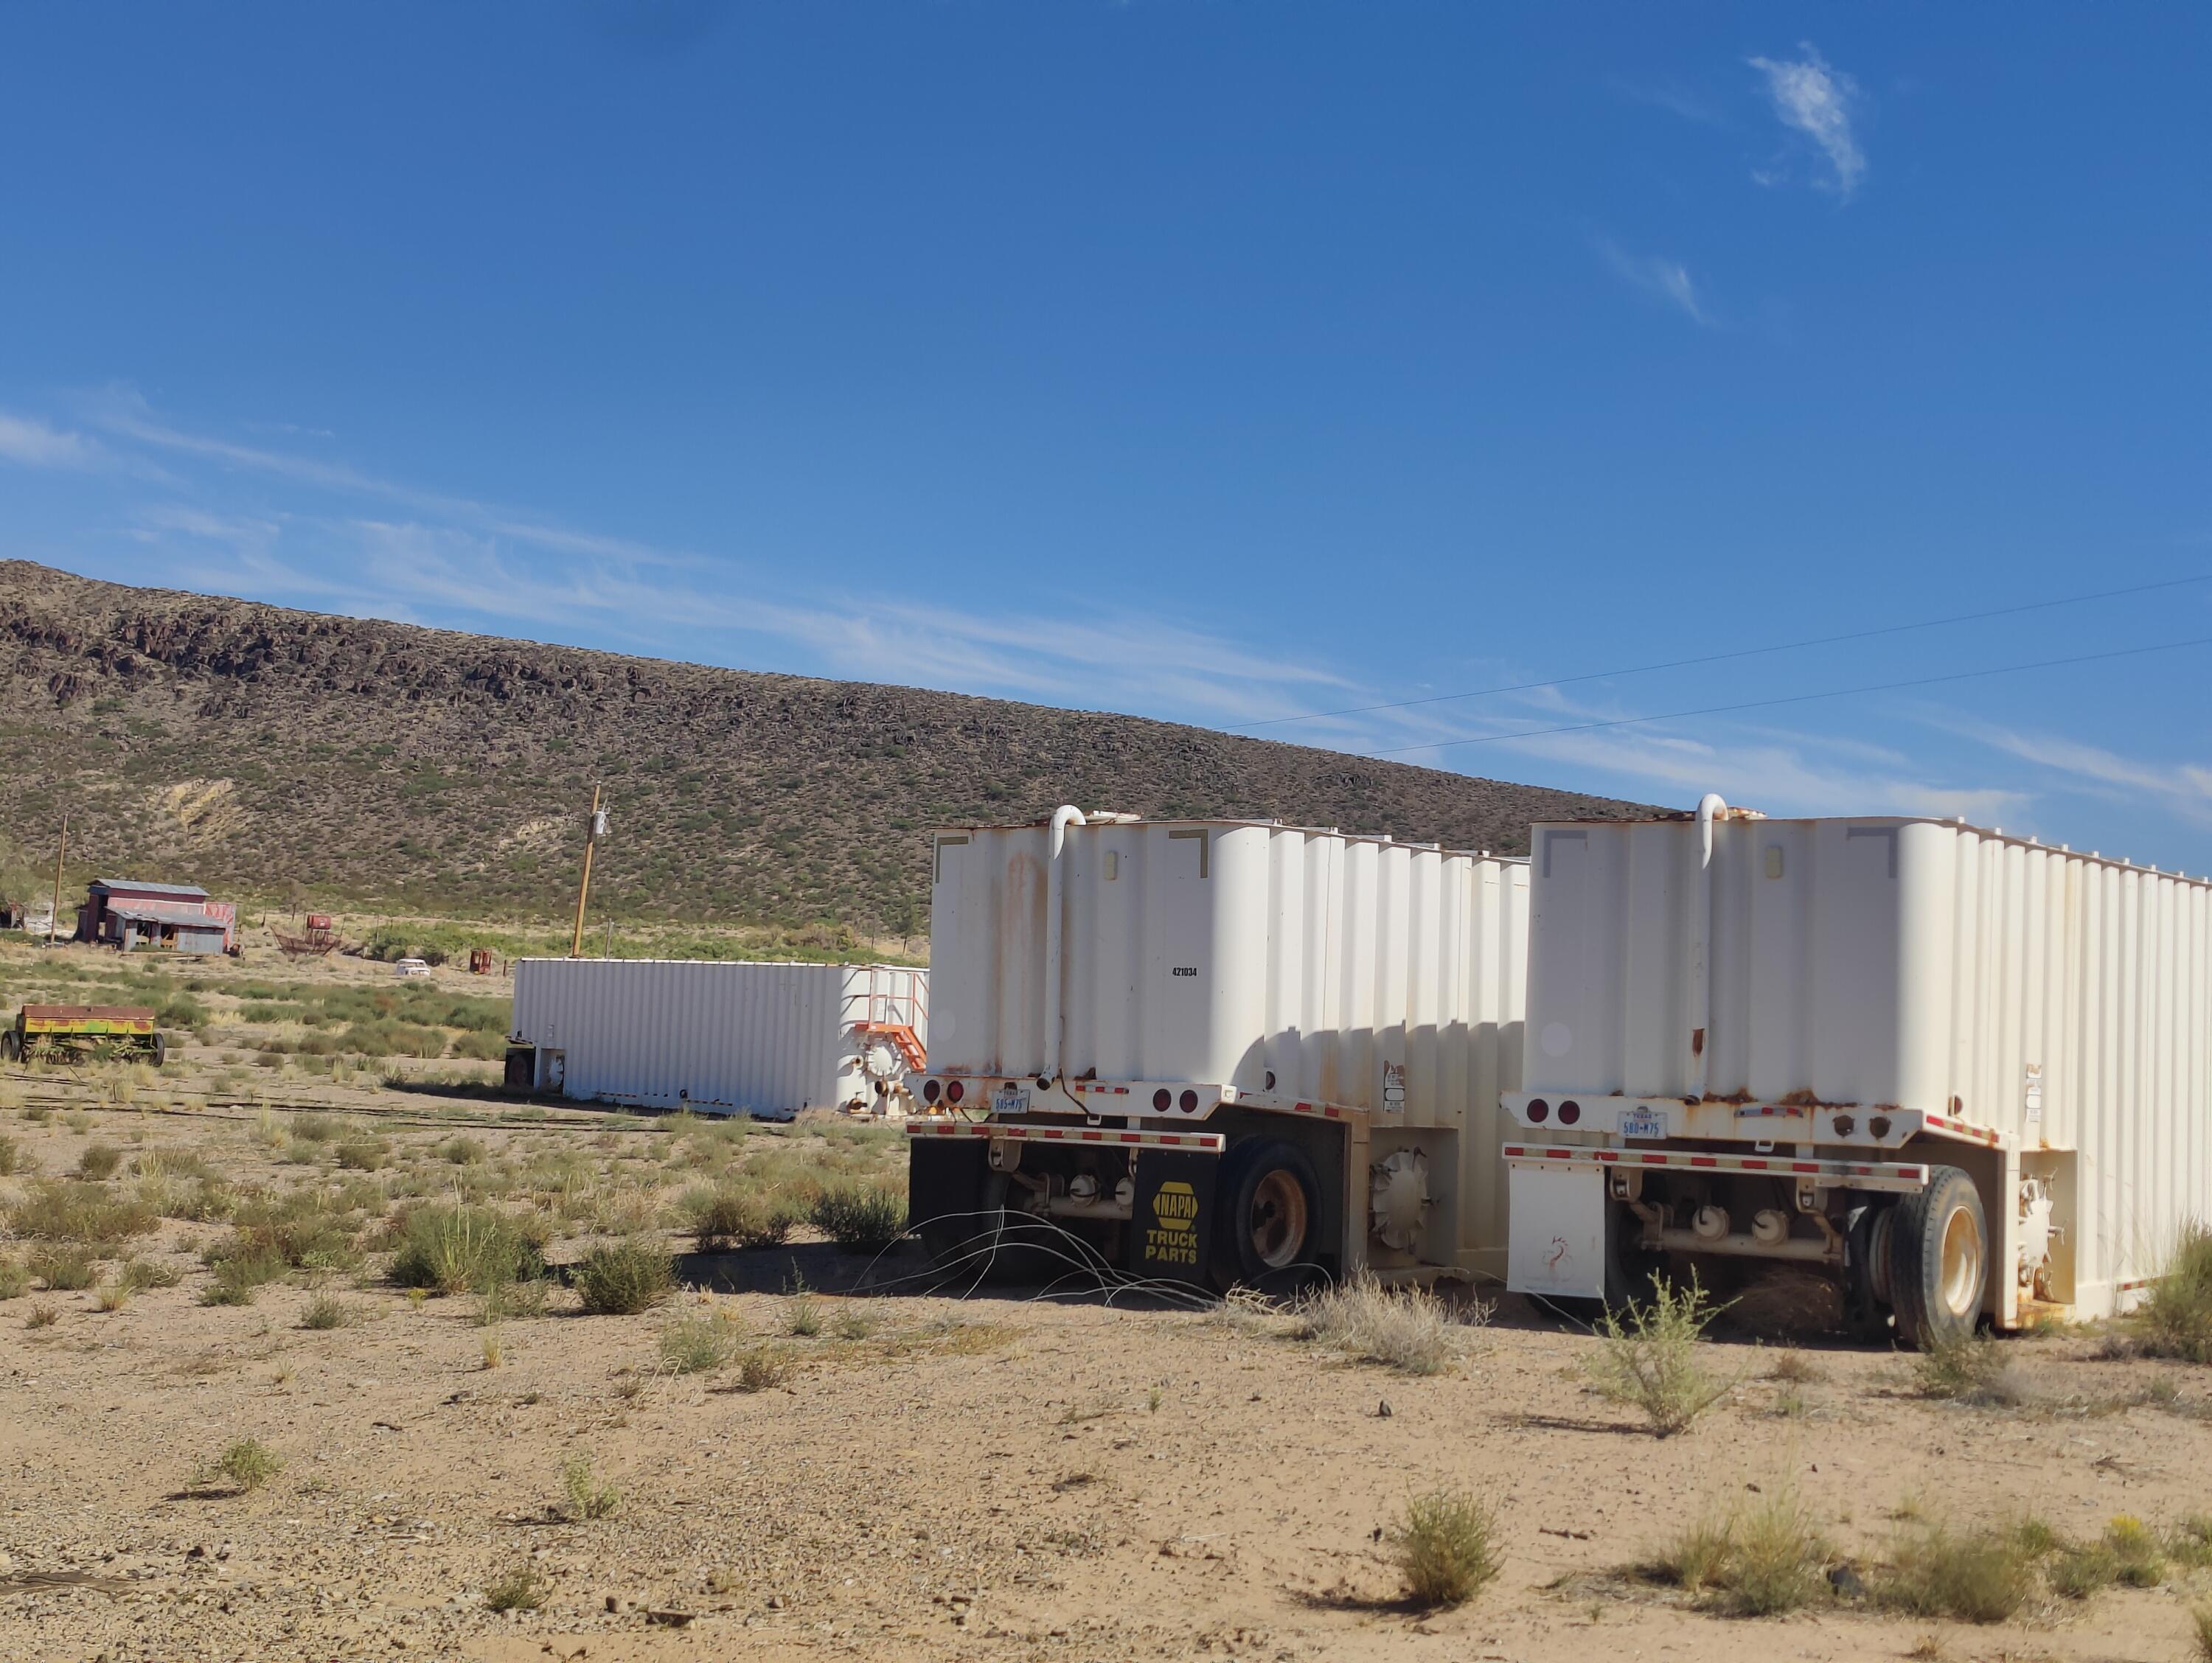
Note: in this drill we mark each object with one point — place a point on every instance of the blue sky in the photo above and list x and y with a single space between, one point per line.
1217 361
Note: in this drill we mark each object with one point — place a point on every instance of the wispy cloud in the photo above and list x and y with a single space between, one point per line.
1668 280
2185 789
31 443
1670 96
1816 100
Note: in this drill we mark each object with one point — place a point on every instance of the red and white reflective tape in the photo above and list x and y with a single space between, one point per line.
1094 1088
1859 1175
1211 1142
1960 1129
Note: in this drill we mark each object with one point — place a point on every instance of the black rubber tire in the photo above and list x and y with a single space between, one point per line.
1865 1317
11 1045
1630 1271
1248 1168
1935 1292
159 1054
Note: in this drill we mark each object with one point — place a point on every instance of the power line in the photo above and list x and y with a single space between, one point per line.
1802 698
1738 652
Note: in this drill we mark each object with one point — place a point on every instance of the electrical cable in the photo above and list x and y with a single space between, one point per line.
1737 652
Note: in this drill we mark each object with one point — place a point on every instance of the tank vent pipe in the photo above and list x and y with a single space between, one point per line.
1055 894
1710 807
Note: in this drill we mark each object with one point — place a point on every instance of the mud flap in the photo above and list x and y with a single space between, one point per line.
1172 1222
944 1186
1557 1235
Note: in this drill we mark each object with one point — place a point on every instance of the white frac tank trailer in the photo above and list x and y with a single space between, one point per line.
1954 1075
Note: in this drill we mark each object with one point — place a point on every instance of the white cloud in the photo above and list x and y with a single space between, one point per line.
1670 280
2185 789
35 444
1816 100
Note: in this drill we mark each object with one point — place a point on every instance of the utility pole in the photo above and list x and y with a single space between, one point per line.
591 842
53 923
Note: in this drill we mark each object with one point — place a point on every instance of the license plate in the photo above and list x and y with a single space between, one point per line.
1642 1123
1010 1100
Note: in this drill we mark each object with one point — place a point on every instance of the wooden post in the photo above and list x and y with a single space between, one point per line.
584 888
61 854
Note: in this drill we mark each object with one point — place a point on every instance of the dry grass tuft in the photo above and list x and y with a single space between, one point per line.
1764 1560
762 1369
624 1277
1979 1574
248 1464
1405 1328
2175 1319
1446 1545
699 1345
520 1589
1972 1370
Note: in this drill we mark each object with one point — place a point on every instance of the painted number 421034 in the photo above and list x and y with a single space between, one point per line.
1642 1123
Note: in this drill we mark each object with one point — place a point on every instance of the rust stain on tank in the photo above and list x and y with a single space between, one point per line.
1697 1042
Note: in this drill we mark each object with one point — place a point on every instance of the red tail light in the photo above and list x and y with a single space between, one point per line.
1161 1099
1189 1101
929 1090
954 1091
1539 1109
1570 1111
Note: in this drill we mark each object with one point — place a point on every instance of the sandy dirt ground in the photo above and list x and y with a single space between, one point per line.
991 1476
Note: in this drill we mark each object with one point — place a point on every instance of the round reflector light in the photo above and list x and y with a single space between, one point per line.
954 1091
1189 1101
930 1089
1162 1098
1570 1111
1539 1109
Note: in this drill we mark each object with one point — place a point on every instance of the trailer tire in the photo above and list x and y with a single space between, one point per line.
11 1045
159 1050
1939 1260
1267 1212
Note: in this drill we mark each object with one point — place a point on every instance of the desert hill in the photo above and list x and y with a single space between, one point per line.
254 747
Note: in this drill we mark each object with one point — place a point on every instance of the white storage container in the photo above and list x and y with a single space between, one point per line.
1271 966
765 1039
2025 1012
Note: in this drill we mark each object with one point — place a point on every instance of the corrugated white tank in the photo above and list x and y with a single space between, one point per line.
1283 962
723 1038
2057 1005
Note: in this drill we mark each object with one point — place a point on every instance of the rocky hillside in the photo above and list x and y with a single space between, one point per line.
253 749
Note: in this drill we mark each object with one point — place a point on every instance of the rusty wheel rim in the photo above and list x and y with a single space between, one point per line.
1960 1284
1277 1225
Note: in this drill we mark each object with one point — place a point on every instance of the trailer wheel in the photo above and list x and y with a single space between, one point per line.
11 1045
1268 1212
161 1049
1939 1260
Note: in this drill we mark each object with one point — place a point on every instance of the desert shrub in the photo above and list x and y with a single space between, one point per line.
2138 1560
76 1210
2175 1319
1762 1561
584 1496
362 1155
314 1128
1979 1574
2201 1629
298 1231
240 1277
698 1344
463 1151
11 1157
1408 1328
1968 1369
520 1589
525 1299
860 1217
856 1324
482 1047
248 1463
42 1315
762 1369
2190 1541
64 1270
1698 1559
624 1277
2077 1573
1649 1361
182 1012
139 1274
466 1249
1446 1546
728 1217
15 1278
112 1297
99 1161
326 1311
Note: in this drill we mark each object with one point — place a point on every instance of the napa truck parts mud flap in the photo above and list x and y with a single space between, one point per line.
1171 1226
